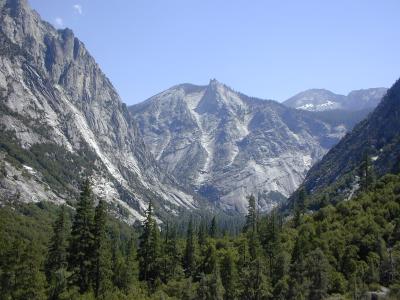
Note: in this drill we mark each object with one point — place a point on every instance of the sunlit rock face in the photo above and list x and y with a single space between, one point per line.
53 92
227 145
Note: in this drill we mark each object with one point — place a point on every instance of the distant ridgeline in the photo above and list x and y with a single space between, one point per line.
369 151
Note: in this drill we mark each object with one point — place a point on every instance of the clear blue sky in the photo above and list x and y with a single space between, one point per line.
268 49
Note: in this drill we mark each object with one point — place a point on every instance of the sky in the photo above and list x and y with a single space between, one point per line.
270 49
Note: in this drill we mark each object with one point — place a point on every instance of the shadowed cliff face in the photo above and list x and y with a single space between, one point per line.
227 145
53 92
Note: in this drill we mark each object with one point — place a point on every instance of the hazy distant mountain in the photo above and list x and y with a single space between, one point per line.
61 120
378 136
228 145
315 100
324 100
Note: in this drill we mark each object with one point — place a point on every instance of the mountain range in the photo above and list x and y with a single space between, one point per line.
373 146
227 145
62 120
324 100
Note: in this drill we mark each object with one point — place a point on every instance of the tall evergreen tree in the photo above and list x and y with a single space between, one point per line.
189 259
255 282
270 239
102 271
213 228
299 208
367 176
251 228
208 258
119 267
301 200
202 233
149 249
210 286
317 272
130 267
171 256
20 272
229 275
56 260
80 253
251 217
216 287
299 283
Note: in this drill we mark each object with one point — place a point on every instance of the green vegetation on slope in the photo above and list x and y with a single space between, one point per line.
344 250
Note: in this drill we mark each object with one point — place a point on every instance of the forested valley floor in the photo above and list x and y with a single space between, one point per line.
337 252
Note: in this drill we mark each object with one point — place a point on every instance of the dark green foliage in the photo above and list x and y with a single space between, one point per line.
254 281
251 218
23 243
20 272
60 168
229 274
56 262
149 249
343 250
317 272
208 258
101 265
81 249
210 287
189 259
377 136
213 228
171 255
366 172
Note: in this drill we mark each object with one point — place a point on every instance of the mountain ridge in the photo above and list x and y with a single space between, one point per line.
205 135
55 97
374 141
325 100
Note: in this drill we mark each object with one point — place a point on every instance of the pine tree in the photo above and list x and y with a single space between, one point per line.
210 286
299 284
213 228
130 266
255 282
80 254
202 233
251 228
101 276
299 208
171 255
301 200
317 272
149 249
189 259
251 217
119 267
366 171
208 258
56 261
203 289
270 239
20 272
229 275
217 290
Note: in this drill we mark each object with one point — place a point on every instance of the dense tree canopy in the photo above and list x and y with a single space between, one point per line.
346 249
